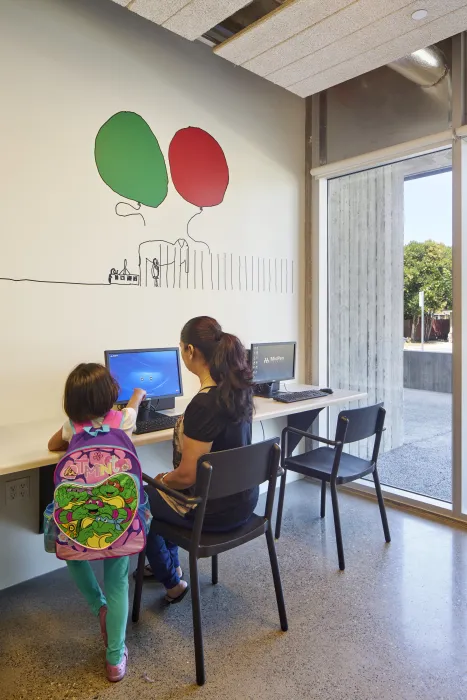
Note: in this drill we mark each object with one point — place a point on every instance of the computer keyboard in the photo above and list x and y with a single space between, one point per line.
292 396
158 421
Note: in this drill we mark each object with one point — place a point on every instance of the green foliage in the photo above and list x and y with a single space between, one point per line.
427 267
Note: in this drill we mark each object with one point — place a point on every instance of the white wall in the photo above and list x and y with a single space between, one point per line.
66 67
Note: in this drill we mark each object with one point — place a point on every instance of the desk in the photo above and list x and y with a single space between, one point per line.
24 445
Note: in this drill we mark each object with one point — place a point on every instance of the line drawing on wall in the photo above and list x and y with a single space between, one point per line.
120 211
124 277
176 266
130 162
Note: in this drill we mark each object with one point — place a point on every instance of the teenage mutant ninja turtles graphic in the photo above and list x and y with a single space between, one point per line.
96 516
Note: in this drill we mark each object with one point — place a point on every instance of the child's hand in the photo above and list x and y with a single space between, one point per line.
137 397
140 394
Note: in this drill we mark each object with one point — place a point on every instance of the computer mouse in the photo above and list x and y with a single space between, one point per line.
327 391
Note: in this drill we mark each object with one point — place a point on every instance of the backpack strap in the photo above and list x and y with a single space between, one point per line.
113 419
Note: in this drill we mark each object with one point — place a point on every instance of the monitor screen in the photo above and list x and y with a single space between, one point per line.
157 371
272 362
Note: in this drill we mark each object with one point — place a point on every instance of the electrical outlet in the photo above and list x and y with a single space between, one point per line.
17 490
23 488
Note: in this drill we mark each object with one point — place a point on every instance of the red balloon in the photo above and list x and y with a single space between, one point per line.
198 166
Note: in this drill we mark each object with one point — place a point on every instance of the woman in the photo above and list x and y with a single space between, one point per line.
217 418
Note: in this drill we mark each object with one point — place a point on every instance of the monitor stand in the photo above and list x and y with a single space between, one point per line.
267 390
150 405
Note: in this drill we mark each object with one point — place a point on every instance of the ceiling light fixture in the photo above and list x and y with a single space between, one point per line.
419 14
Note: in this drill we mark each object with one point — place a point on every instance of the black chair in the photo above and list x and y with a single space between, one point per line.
221 474
331 465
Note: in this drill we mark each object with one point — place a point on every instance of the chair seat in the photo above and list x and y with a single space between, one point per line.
318 464
212 543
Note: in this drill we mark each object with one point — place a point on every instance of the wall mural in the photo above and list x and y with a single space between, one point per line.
130 162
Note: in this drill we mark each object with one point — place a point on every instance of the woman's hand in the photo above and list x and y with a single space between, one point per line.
159 477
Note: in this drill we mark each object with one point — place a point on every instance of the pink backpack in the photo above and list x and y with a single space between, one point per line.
100 508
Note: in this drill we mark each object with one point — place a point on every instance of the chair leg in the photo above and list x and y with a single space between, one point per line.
197 628
277 581
323 499
382 507
214 570
337 525
138 586
280 504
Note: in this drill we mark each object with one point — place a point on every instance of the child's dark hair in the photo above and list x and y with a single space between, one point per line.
90 392
228 365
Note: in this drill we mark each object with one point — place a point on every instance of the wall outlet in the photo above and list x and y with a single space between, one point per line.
17 490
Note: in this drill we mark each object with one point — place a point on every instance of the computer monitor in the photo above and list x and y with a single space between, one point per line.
156 370
273 362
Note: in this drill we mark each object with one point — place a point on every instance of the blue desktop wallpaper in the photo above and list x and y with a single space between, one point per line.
156 372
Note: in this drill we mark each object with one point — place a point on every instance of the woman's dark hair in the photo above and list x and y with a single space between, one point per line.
228 365
90 392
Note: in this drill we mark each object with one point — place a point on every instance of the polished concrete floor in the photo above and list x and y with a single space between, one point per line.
393 626
424 462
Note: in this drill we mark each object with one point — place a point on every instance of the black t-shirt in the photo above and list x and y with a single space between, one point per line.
205 421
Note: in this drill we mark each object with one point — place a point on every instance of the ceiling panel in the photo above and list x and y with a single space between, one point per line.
158 11
201 15
350 19
421 37
385 29
279 25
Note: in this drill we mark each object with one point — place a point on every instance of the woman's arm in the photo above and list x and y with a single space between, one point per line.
185 475
57 443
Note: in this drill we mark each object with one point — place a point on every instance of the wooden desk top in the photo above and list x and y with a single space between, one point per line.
24 445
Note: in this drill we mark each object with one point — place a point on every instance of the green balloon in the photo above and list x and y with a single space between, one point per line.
130 161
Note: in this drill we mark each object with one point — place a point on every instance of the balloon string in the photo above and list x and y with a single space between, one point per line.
135 213
188 229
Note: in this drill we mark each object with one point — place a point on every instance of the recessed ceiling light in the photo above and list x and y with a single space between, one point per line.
419 14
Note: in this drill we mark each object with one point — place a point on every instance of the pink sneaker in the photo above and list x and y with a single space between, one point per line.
116 673
102 621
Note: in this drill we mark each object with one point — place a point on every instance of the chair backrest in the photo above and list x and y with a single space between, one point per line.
240 469
360 423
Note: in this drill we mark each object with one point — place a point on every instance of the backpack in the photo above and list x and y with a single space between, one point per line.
100 508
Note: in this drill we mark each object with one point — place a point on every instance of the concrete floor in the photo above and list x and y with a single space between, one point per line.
424 463
392 626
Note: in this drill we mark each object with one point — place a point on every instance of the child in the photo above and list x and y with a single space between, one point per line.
90 393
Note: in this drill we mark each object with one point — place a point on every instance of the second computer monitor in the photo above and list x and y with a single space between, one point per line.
156 370
273 362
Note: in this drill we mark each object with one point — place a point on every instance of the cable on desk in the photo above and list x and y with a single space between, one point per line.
262 426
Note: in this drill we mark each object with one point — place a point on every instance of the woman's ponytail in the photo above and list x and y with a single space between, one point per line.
228 365
230 370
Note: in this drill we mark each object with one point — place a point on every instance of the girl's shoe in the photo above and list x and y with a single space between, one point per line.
102 621
116 673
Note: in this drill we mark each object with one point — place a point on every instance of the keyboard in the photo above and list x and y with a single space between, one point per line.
292 396
158 421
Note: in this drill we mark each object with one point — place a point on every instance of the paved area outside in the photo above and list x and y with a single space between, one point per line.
391 627
432 346
424 463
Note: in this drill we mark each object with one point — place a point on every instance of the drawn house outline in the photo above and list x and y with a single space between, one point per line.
124 277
